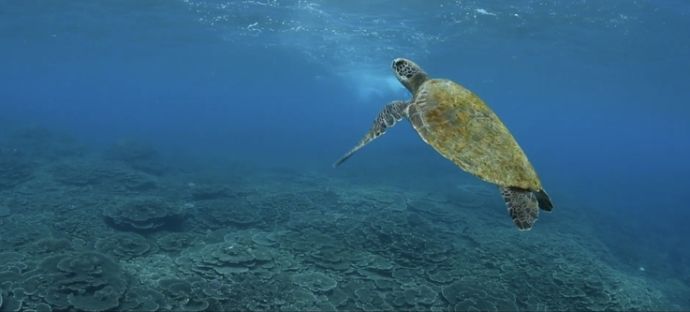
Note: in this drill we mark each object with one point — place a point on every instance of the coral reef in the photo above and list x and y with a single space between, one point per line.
49 246
316 282
14 169
226 259
87 234
242 211
220 213
144 214
85 281
4 211
143 300
40 143
124 245
15 235
183 295
96 174
175 242
138 155
210 191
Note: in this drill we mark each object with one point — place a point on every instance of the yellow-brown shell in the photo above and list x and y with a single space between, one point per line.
458 125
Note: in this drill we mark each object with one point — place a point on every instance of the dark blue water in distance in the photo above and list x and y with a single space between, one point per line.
175 155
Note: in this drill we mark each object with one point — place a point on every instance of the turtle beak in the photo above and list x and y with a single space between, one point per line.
398 66
397 63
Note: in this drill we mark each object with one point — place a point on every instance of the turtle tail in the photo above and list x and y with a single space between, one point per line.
523 206
544 200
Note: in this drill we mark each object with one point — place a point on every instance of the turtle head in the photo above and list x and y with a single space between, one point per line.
409 74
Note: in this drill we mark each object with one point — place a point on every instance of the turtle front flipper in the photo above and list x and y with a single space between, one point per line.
391 114
523 206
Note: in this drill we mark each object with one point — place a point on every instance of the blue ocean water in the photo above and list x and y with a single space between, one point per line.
185 147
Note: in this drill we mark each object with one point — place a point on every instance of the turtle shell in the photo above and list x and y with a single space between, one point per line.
458 125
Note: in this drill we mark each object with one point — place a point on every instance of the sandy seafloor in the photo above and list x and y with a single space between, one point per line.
121 229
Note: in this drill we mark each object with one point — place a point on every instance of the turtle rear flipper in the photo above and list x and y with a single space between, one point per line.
387 118
523 206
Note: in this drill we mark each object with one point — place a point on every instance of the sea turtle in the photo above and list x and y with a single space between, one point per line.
459 126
